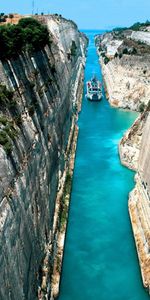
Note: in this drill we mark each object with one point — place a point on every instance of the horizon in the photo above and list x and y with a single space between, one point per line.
106 15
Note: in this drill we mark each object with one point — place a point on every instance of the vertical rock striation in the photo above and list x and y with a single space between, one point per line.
47 88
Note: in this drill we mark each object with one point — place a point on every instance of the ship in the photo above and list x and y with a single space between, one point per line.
94 89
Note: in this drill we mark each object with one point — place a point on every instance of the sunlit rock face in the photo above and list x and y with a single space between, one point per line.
125 60
130 144
126 76
46 90
126 81
141 36
139 206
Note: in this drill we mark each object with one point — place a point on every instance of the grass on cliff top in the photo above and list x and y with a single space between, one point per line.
28 34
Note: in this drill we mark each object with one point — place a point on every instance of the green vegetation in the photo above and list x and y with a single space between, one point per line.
136 26
5 142
120 29
106 60
6 96
7 130
28 35
142 107
7 133
3 17
64 205
73 49
68 184
125 51
100 49
148 106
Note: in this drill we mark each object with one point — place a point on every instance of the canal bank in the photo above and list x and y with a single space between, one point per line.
100 260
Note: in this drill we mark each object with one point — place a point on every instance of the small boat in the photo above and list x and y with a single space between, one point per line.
94 89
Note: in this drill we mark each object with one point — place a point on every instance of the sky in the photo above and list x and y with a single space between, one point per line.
88 14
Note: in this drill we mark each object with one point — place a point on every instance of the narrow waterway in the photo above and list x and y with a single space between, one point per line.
100 260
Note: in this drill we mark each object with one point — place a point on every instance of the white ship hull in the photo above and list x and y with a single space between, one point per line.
94 90
96 97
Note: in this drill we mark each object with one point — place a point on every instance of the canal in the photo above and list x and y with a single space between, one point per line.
100 259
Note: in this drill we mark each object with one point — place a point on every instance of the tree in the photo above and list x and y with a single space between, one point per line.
28 34
11 17
142 107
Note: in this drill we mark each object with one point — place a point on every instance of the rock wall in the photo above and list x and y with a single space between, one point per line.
125 62
143 37
130 144
127 81
139 206
46 92
126 78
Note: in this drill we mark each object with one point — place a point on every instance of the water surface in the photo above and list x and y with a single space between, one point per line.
100 259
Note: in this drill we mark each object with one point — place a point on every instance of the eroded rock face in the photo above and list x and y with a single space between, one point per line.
130 144
139 207
127 81
46 89
141 36
125 60
126 77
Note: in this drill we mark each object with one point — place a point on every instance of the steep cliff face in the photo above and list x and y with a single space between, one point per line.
47 87
126 82
139 207
125 61
130 144
125 64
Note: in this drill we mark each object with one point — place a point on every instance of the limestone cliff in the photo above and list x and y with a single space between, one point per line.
130 144
125 61
139 206
125 64
34 154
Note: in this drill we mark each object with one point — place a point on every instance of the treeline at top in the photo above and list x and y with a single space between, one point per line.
28 35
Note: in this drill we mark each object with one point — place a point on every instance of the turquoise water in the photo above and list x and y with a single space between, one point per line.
100 260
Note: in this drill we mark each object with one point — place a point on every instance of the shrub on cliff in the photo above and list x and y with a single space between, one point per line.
142 107
138 25
28 34
73 48
125 51
7 134
2 17
106 60
6 96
